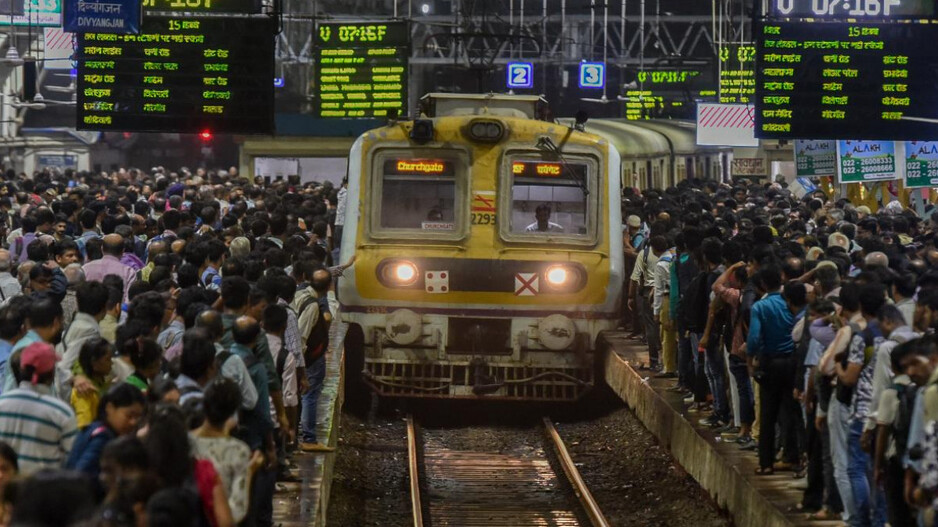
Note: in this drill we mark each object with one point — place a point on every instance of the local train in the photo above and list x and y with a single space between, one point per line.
488 244
659 153
488 252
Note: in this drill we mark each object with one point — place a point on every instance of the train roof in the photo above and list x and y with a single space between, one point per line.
682 134
456 104
629 140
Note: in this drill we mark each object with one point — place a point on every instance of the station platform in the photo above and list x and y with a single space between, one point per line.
721 468
304 503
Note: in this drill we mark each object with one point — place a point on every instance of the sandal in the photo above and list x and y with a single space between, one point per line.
823 515
766 471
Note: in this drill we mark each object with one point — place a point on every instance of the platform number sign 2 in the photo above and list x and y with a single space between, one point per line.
520 75
592 75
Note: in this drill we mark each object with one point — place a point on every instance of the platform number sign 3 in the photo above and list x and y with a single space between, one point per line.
592 75
520 75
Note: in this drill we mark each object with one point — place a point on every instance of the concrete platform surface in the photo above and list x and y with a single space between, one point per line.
722 469
304 503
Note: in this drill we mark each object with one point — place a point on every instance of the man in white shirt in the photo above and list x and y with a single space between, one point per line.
40 427
9 286
543 223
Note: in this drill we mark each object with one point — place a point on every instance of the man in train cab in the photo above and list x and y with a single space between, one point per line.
543 223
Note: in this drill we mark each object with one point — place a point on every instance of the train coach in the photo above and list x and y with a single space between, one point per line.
488 253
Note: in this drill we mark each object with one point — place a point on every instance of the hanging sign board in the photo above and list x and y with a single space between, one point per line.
815 158
868 161
921 164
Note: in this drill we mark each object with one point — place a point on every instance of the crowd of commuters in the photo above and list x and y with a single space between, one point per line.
803 329
162 344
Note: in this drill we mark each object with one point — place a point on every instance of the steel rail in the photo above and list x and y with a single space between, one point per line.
573 475
413 469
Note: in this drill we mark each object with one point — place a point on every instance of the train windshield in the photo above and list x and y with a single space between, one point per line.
549 198
419 194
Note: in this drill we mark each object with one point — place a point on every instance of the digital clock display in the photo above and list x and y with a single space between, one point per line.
203 6
844 9
183 75
824 80
361 69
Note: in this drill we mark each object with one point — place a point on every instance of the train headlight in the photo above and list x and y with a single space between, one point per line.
405 273
398 273
564 278
557 276
485 131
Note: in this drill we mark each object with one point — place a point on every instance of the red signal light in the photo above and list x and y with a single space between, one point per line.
205 135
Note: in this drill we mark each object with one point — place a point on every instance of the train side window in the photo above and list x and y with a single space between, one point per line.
419 194
548 198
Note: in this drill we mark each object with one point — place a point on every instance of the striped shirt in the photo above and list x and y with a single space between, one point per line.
40 427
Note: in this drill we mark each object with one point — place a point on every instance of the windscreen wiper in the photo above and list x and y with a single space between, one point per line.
546 143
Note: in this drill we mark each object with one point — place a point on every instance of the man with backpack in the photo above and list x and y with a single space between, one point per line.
312 307
706 327
893 421
855 377
641 291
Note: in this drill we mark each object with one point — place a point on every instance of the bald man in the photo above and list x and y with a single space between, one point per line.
110 263
9 285
257 421
876 259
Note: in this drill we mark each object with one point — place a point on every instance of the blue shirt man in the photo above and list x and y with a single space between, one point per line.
770 326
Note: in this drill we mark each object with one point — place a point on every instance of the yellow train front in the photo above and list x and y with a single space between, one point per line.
488 253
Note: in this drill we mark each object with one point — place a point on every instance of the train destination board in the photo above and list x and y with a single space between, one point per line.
825 80
184 75
361 69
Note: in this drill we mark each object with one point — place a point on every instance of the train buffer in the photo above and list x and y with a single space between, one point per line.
724 471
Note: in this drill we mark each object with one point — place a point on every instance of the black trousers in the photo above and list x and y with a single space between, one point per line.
898 509
814 495
776 384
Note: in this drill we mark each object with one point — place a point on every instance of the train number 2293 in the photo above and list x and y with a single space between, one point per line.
483 218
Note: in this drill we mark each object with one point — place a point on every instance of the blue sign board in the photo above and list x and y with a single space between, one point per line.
520 75
592 75
101 16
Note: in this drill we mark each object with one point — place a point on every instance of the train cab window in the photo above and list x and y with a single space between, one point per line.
549 198
419 194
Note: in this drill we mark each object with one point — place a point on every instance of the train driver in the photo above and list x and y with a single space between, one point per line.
543 223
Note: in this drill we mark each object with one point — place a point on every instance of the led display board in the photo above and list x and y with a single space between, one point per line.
737 73
418 167
361 69
827 80
203 6
183 75
539 169
663 93
856 9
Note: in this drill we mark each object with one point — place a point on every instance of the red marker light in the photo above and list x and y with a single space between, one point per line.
205 135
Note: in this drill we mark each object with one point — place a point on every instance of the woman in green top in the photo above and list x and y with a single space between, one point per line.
147 358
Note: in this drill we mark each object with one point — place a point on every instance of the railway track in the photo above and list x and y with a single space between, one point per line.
468 477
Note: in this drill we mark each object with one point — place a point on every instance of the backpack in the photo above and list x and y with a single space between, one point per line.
695 304
843 392
318 339
902 425
281 362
